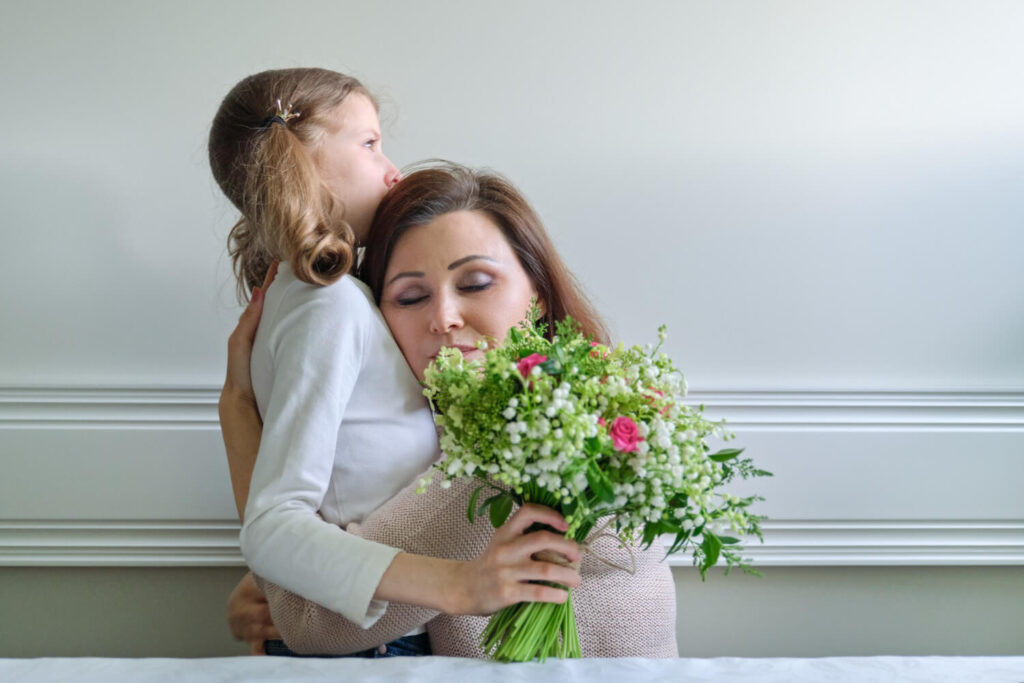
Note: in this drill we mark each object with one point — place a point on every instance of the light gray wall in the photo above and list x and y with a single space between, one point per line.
790 612
821 200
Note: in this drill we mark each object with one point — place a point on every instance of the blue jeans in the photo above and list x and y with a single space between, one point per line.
406 646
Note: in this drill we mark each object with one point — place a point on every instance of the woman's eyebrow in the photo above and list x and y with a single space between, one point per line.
408 273
467 259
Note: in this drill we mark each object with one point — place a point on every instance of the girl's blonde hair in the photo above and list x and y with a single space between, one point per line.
267 168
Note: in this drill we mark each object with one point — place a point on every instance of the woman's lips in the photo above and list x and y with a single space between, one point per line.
463 348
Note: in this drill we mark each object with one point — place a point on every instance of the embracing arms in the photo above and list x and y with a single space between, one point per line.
491 579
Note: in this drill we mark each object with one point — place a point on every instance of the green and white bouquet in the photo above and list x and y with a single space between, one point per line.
593 432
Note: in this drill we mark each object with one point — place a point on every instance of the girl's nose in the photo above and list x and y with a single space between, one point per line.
392 176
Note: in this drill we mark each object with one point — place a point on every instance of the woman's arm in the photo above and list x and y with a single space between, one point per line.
240 421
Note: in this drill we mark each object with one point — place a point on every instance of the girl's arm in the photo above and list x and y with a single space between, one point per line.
497 577
408 521
313 346
434 524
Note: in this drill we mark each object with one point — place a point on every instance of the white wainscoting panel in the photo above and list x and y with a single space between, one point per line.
114 476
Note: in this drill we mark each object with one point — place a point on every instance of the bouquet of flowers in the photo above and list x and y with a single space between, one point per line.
593 432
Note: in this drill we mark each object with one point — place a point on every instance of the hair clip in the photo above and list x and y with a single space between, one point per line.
282 115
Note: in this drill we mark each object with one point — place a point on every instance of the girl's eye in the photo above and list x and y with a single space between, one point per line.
369 144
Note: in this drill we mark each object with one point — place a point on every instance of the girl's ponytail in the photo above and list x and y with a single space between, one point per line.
263 162
288 203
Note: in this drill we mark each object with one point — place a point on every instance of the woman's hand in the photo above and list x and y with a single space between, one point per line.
249 615
238 383
500 576
240 423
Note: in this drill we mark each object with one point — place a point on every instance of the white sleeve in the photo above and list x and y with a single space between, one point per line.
317 350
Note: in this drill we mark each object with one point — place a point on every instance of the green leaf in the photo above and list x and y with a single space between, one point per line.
728 540
471 510
551 366
712 548
727 454
681 539
500 509
487 503
592 445
599 483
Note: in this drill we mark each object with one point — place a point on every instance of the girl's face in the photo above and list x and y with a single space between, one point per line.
353 164
453 282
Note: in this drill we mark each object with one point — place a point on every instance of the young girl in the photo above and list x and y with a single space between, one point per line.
345 427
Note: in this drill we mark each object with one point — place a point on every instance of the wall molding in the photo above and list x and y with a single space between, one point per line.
108 407
196 406
791 542
118 543
821 543
886 543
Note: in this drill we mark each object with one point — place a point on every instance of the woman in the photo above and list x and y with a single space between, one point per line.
298 151
455 257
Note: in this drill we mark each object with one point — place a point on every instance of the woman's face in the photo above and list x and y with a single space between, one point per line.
353 164
453 282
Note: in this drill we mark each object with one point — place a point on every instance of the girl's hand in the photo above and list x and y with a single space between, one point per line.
249 616
503 574
500 576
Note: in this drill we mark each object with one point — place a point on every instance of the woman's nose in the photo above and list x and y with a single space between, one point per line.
445 315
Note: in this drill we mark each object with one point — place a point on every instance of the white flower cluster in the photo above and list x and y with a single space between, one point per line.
592 430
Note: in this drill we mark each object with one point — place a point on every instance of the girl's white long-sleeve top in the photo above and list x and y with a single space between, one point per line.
345 427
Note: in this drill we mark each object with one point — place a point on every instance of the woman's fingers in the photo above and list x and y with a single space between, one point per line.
271 274
249 614
248 322
238 381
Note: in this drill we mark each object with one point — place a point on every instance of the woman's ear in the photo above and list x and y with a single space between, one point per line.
541 304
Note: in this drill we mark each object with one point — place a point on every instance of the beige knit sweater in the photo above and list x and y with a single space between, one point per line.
618 615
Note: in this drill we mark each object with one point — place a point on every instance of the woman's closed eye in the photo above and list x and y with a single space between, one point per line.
411 297
475 282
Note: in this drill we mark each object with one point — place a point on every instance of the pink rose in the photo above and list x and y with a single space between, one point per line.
526 365
625 434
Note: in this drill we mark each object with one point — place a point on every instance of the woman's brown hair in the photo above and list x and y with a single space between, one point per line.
444 187
266 167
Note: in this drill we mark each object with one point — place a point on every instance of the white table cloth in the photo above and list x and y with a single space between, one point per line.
448 669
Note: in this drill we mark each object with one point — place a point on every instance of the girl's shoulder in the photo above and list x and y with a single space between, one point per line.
346 298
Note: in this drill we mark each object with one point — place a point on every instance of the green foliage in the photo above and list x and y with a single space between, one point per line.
595 432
